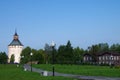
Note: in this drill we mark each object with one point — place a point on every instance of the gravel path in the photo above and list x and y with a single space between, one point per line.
49 73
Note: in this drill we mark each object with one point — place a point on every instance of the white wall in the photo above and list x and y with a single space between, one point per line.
16 50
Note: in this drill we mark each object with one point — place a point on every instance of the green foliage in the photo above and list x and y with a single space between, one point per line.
66 54
115 48
61 54
26 55
3 58
98 48
78 55
37 55
83 70
47 54
11 72
117 66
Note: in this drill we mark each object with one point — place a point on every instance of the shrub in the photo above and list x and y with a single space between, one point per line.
117 66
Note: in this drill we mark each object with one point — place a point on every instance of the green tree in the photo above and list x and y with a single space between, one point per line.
103 47
3 58
65 54
48 53
61 54
78 55
26 55
69 53
115 48
93 50
38 55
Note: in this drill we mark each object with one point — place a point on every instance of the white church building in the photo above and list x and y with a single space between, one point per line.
15 48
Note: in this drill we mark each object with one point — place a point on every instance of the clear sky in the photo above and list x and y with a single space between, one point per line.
83 22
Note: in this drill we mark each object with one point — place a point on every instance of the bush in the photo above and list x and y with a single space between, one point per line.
117 66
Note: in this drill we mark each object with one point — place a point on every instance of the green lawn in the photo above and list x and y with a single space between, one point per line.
11 72
83 70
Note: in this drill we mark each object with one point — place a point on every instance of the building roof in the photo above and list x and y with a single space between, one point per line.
87 54
15 43
109 53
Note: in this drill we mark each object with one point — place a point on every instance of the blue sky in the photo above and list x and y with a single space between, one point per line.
83 22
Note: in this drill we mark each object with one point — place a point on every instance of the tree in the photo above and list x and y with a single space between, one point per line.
61 54
103 47
37 55
3 58
93 50
78 55
12 59
26 53
69 53
48 51
115 48
65 54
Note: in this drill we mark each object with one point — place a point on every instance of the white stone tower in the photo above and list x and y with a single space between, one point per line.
15 48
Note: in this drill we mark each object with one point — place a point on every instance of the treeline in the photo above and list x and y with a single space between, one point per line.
65 54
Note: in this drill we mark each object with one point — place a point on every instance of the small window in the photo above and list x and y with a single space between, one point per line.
99 58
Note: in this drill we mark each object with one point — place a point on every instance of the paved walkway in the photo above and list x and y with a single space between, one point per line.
27 67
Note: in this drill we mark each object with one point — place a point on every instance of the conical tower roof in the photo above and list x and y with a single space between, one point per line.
15 41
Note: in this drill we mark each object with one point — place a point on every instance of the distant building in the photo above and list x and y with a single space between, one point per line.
15 48
87 58
103 58
109 58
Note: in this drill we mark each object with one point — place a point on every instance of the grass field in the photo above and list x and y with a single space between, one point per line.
11 72
83 70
